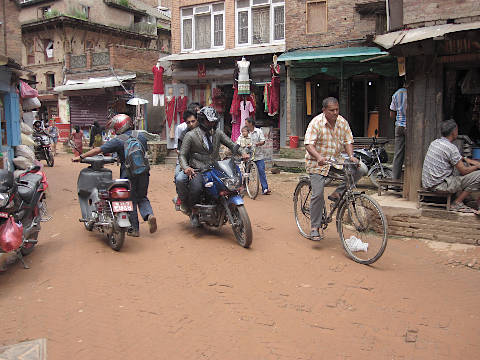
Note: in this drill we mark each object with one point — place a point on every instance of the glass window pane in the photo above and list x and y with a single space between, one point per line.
202 9
279 23
259 2
203 31
187 12
218 28
261 25
187 33
217 7
243 3
243 27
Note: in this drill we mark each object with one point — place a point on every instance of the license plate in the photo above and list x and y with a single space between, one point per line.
4 215
121 206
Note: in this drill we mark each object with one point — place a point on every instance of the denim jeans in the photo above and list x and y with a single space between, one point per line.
139 198
261 173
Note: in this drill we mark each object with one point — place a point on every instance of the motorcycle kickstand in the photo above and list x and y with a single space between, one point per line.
20 257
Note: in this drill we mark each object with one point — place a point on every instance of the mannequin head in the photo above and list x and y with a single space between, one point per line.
275 60
170 91
182 91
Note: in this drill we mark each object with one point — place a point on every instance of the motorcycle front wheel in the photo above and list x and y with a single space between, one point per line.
242 228
49 158
116 239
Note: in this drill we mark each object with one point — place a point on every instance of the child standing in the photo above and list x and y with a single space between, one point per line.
245 141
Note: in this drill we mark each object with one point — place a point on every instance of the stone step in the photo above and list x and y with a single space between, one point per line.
289 163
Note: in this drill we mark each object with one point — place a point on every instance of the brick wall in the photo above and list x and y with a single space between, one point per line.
344 23
11 28
133 59
423 13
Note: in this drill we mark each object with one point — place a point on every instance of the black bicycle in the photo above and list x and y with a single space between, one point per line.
361 223
250 175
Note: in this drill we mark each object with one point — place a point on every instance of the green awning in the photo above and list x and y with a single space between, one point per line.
351 53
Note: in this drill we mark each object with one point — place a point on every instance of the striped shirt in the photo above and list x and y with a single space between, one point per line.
439 163
328 142
399 104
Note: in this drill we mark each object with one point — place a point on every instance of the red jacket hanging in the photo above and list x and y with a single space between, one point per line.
158 80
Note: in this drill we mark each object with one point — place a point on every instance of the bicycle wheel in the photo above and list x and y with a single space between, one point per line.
301 206
252 180
362 227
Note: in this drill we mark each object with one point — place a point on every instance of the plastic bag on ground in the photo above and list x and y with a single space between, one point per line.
22 163
27 140
10 235
355 244
25 151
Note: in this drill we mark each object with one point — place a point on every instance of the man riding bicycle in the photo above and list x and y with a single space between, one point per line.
328 134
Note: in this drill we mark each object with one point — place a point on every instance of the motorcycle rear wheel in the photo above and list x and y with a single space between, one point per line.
116 240
243 229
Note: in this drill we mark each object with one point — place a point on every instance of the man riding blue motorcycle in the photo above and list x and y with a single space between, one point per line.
200 150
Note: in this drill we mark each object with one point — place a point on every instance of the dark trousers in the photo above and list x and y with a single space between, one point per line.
195 190
399 155
138 194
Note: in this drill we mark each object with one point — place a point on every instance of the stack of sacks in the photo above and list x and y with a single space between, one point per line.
26 134
24 158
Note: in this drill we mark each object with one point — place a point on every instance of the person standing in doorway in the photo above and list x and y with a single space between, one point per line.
398 111
258 140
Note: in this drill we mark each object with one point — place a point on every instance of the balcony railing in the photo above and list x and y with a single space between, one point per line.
144 28
78 62
102 58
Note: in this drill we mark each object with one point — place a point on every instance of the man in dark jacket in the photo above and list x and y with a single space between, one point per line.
200 148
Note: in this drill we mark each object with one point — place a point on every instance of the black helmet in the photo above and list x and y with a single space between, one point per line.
207 119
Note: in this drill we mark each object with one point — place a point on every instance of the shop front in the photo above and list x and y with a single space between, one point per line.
442 66
213 82
363 79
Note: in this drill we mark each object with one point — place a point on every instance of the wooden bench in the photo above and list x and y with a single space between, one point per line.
424 193
385 184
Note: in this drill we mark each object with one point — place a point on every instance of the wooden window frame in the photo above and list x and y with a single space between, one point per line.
306 16
47 75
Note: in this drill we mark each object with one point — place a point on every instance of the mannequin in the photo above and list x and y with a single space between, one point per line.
182 102
158 91
170 112
274 89
243 77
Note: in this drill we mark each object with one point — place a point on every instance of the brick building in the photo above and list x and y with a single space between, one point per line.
67 43
207 40
330 53
440 44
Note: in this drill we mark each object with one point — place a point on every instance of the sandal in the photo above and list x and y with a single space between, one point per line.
334 197
315 235
461 207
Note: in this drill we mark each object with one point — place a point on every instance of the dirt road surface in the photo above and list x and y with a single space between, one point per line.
184 294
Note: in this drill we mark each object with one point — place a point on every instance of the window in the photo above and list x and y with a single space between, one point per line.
316 17
45 12
50 80
260 22
48 46
89 45
85 11
203 27
30 49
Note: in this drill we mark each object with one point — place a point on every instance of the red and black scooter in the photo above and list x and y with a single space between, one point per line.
22 209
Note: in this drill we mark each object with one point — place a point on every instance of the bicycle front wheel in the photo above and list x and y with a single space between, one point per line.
301 206
253 180
362 227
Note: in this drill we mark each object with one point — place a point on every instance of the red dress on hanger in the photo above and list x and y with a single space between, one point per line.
274 91
181 106
158 79
170 113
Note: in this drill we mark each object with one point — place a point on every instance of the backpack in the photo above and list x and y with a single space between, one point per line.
135 159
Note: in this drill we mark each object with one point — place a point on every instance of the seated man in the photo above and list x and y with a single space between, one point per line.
200 148
181 179
440 163
327 135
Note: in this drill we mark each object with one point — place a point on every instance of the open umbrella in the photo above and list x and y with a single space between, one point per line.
137 101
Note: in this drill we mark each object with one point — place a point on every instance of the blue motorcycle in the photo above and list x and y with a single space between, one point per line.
222 200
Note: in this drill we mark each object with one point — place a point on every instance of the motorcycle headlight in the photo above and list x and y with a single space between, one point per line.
230 184
4 199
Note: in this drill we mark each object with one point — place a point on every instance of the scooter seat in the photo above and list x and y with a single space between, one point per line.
28 186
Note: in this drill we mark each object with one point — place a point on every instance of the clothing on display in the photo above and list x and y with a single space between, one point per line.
182 102
170 115
158 100
243 77
158 88
274 91
246 109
